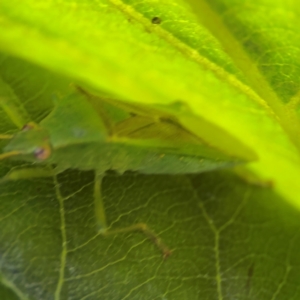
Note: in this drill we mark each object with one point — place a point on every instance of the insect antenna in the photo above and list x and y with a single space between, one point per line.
6 136
9 154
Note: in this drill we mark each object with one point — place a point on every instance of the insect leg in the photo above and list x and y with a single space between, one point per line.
251 178
142 227
105 231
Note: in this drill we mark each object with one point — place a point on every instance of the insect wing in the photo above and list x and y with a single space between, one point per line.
157 139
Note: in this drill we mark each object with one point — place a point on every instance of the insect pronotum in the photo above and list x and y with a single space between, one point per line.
111 135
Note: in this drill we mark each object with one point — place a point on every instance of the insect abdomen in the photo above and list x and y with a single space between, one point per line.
103 157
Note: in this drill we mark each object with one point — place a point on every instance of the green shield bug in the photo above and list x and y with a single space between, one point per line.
86 132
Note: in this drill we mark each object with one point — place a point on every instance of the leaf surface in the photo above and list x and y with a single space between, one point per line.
7 294
176 59
230 240
226 239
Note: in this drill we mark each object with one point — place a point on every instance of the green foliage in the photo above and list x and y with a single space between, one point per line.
7 294
232 79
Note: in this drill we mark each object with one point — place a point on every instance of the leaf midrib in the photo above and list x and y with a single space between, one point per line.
191 53
287 118
63 257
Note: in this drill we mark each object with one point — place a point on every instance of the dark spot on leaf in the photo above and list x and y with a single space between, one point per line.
156 20
250 273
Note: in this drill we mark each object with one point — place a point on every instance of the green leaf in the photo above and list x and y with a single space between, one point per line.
7 294
176 59
225 237
230 240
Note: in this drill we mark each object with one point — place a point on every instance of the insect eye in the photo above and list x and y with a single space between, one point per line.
28 126
42 153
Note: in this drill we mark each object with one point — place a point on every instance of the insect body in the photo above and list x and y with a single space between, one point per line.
88 133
